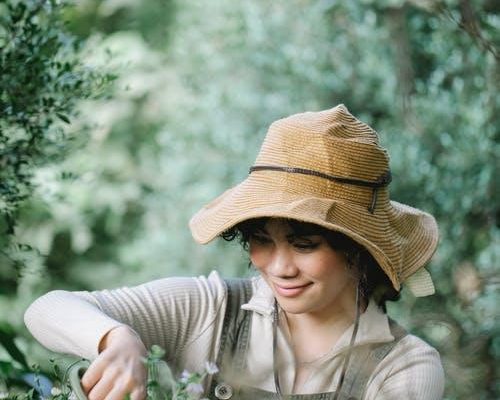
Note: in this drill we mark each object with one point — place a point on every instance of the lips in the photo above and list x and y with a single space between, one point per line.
290 291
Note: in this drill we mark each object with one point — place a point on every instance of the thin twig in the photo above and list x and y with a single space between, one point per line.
472 29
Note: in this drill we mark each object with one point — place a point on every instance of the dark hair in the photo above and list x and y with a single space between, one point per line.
374 283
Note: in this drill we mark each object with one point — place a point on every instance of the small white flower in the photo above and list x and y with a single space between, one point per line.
185 376
211 368
194 389
4 395
55 391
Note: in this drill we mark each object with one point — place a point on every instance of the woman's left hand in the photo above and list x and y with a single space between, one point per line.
119 370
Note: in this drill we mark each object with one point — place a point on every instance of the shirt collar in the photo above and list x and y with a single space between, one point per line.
262 300
373 323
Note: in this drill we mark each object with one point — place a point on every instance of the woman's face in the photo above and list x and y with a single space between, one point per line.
304 272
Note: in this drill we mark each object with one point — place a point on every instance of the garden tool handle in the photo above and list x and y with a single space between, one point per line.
75 374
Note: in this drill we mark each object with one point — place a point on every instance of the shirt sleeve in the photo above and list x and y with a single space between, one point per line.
170 312
411 371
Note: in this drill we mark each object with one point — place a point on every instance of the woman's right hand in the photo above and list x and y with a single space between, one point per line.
119 369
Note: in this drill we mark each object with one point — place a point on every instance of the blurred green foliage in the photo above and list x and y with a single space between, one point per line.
42 79
198 85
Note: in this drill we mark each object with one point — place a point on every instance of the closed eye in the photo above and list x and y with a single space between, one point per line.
304 243
260 238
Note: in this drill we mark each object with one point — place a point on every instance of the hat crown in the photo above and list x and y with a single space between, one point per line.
337 122
331 142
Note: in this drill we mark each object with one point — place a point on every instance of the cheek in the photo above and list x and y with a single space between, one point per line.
257 257
327 268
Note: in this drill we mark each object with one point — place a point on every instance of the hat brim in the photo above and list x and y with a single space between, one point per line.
401 238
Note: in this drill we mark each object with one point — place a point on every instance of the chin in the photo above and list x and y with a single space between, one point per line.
294 311
294 307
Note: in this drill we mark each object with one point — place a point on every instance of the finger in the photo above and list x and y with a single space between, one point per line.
139 393
94 373
120 390
102 388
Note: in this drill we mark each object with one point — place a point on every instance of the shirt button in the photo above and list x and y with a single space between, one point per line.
223 391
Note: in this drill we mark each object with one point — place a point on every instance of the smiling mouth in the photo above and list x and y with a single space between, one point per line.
290 291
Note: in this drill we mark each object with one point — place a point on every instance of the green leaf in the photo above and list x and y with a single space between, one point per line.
63 118
7 336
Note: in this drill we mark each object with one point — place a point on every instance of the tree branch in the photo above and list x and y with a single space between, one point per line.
469 24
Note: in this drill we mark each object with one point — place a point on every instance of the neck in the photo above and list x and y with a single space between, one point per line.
326 325
331 319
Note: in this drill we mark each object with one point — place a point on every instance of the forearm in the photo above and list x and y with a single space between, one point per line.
69 322
170 312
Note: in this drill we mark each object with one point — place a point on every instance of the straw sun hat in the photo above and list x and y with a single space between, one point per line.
329 169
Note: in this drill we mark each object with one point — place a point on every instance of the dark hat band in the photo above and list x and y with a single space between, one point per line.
382 181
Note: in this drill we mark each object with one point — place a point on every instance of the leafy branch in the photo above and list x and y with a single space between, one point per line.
42 80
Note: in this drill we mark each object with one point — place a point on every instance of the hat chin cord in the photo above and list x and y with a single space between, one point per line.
347 357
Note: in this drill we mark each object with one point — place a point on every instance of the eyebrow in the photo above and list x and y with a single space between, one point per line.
260 231
293 236
290 236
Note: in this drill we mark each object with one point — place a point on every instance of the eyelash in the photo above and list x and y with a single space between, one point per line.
304 244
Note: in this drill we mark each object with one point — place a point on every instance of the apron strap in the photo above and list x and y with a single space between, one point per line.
235 335
362 368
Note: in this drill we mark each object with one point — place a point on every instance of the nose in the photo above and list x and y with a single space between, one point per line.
282 263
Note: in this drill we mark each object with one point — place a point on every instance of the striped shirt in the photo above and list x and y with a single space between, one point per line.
185 317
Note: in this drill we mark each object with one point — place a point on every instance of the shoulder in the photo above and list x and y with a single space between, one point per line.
411 370
413 353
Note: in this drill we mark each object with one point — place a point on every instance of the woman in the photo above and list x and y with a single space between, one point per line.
331 248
